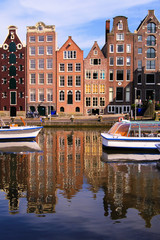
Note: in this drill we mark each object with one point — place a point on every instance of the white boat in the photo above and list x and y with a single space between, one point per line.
17 133
19 147
132 135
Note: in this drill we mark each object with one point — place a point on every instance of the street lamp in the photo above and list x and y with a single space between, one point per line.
135 102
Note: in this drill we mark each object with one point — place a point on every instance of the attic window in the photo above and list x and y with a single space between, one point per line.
40 28
95 52
120 25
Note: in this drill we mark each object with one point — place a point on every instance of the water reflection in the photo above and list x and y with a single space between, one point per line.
68 159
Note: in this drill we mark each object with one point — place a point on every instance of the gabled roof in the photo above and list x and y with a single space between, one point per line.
95 46
70 39
145 19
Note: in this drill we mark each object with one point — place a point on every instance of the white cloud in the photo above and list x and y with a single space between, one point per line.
71 17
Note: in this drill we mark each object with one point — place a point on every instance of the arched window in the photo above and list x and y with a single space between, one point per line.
151 27
61 109
61 96
12 83
12 71
151 53
12 47
77 109
78 95
151 40
70 97
12 58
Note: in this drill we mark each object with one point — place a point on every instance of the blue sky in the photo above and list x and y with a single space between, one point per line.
83 20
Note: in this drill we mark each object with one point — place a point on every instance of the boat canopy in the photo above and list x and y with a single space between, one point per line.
124 128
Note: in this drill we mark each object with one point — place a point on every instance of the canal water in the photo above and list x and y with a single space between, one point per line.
66 186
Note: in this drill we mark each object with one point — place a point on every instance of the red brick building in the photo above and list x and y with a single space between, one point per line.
70 78
95 73
119 53
41 68
147 59
12 75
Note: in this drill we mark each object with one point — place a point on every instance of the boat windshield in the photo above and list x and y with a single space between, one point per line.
120 128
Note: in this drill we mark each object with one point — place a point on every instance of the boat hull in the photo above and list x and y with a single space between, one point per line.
110 141
19 133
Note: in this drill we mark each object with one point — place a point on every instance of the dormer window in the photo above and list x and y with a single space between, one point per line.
120 25
40 28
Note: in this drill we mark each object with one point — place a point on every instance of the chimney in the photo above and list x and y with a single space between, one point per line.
107 28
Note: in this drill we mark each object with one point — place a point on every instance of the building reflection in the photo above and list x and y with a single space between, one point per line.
69 156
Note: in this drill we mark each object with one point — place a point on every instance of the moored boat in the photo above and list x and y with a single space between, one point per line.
18 133
132 135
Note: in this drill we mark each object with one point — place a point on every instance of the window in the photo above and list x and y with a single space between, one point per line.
12 70
32 63
127 94
119 61
61 109
21 95
78 96
78 67
61 81
41 38
150 79
41 78
151 40
128 61
41 95
102 101
128 75
70 81
32 51
95 74
128 48
32 78
49 63
120 36
111 75
139 80
13 98
88 101
102 74
95 88
61 96
78 81
4 81
120 48
20 67
49 78
12 47
32 95
95 61
111 48
49 38
150 94
69 54
88 74
41 50
77 109
150 64
61 67
41 63
87 88
95 101
119 75
12 83
70 97
120 25
95 52
101 88
151 28
12 58
111 94
111 61
49 50
119 94
139 38
139 64
139 50
70 67
32 38
49 95
21 80
151 53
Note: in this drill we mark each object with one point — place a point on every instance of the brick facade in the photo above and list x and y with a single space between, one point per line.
12 75
70 78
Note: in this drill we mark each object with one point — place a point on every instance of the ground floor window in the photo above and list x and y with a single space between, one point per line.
118 109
